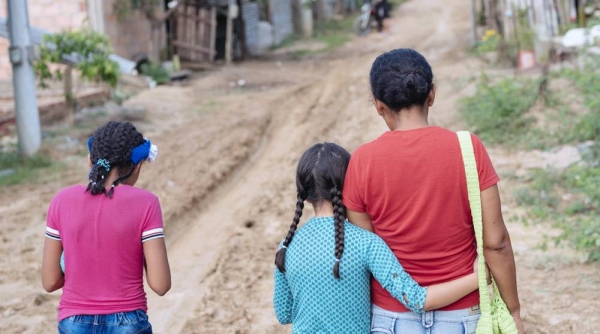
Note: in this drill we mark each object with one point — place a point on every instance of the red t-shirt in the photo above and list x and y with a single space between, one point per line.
413 186
102 239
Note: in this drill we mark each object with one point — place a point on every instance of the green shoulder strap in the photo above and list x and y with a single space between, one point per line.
466 147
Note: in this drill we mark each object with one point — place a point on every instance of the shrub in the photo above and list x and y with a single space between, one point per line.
497 112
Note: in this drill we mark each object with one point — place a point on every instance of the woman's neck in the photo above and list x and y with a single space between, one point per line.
409 119
323 209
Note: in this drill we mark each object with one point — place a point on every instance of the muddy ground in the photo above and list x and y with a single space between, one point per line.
225 177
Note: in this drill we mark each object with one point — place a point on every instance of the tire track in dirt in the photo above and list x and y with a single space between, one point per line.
238 296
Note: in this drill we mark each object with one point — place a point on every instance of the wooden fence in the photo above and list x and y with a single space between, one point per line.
193 32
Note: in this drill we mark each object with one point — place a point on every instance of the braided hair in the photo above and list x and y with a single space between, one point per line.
320 177
110 148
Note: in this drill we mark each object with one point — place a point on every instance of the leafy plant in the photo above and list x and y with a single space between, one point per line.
497 111
124 8
90 48
525 34
157 72
489 41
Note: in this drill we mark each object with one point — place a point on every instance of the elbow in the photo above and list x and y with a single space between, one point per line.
51 286
161 289
496 248
500 250
498 244
283 314
284 319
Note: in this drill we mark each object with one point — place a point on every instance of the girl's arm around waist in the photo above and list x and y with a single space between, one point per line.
389 272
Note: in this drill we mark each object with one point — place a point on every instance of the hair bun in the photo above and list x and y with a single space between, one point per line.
401 78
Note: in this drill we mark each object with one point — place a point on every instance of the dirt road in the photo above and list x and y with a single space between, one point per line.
225 179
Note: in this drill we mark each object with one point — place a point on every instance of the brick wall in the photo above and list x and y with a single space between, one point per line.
52 15
5 71
130 36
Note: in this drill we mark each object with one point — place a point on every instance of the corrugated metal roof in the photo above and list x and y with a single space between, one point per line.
281 18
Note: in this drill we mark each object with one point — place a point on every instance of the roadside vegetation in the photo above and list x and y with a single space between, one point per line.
18 169
518 113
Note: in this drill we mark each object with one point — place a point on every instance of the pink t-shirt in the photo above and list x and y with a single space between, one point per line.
102 240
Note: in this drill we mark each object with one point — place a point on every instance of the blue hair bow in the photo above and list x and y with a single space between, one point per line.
138 154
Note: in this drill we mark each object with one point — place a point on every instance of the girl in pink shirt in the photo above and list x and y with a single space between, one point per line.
109 231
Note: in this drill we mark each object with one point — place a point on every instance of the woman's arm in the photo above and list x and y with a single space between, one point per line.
389 272
52 276
498 252
282 299
360 219
158 273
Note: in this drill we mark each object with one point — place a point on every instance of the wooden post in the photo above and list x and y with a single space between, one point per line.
69 95
229 34
491 15
339 8
474 21
213 32
320 11
242 30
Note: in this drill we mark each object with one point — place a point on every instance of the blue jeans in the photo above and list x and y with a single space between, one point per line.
433 322
134 322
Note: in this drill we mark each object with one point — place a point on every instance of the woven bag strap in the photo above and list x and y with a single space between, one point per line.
466 147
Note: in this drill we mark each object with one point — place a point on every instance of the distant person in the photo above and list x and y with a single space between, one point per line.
110 231
322 277
382 14
409 187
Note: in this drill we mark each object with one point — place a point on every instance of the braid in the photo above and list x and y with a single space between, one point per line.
280 256
339 217
113 143
100 149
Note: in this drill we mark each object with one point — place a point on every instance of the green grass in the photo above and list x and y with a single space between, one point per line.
333 33
569 198
21 169
498 111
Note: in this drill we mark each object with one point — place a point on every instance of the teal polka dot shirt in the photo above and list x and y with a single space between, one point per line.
309 297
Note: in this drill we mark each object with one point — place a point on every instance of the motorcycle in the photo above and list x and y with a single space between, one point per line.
363 23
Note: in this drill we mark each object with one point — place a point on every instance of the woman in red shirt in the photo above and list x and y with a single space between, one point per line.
409 187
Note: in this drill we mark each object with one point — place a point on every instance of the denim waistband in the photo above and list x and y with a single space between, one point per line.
439 315
119 318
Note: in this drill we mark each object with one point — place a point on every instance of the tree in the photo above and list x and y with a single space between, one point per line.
85 50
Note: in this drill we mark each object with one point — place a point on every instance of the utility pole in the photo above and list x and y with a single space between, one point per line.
22 54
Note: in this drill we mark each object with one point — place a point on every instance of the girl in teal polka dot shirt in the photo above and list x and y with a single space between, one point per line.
322 279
